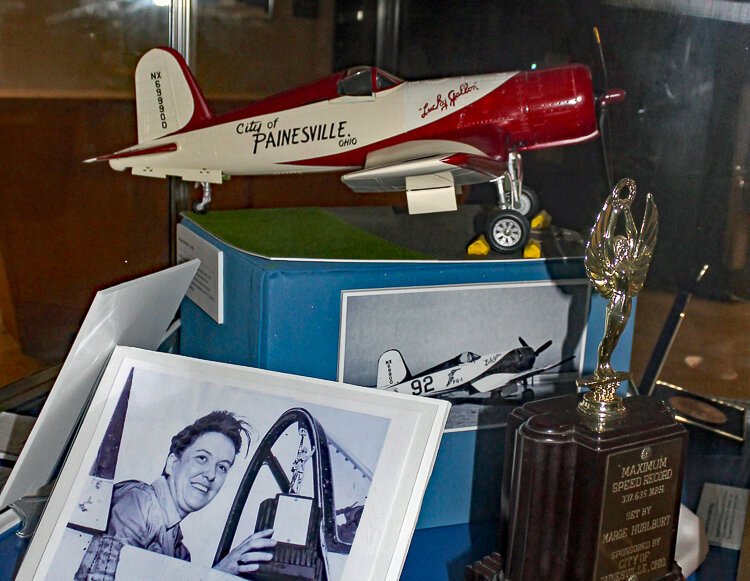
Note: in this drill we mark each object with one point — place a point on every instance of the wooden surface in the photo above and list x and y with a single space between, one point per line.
14 364
68 229
711 351
7 311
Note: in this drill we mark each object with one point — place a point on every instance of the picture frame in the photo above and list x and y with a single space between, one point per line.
435 330
360 458
723 418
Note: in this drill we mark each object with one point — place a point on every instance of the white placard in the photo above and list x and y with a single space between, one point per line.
207 288
292 519
135 313
722 509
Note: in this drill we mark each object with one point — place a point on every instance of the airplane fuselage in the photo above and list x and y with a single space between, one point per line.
481 114
481 374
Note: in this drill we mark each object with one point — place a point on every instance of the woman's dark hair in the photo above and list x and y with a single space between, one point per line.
219 421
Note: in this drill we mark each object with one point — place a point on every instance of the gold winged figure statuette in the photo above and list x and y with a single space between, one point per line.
616 263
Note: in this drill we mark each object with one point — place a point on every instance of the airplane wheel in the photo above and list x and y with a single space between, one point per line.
199 207
507 231
529 202
528 395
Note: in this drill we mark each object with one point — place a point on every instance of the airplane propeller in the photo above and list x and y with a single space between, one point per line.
603 101
536 351
543 347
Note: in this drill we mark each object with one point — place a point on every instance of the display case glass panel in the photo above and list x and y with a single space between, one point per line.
69 228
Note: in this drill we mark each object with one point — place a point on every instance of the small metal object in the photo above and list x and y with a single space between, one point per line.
29 509
202 206
304 453
616 265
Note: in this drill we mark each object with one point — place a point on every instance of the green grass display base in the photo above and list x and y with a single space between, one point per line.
299 233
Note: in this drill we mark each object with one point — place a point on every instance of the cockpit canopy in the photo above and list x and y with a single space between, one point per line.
366 81
468 357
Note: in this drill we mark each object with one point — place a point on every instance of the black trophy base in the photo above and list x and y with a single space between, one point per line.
489 568
582 501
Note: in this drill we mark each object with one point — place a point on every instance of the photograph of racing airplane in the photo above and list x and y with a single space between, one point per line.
485 348
498 377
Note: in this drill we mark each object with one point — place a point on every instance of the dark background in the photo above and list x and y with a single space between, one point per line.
680 133
68 229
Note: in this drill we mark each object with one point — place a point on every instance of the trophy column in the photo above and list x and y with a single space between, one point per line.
580 503
591 484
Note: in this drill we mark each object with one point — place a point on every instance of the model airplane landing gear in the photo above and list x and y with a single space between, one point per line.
507 228
507 231
201 207
529 202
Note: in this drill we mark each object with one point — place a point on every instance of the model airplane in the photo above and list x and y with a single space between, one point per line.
503 375
427 138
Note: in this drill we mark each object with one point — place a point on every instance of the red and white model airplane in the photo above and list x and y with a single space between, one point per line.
427 138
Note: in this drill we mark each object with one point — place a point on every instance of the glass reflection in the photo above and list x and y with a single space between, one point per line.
68 229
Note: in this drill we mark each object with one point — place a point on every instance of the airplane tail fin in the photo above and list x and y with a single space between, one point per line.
391 369
167 97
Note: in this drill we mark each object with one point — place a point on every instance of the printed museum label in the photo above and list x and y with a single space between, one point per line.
207 288
723 510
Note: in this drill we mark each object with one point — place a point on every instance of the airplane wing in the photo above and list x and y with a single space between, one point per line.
120 160
502 381
430 182
534 372
447 395
465 168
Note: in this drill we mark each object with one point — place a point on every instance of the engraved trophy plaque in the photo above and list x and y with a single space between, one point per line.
591 484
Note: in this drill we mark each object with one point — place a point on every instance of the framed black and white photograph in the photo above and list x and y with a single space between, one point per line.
204 470
486 348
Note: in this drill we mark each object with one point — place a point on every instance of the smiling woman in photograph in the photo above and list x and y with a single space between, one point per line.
148 516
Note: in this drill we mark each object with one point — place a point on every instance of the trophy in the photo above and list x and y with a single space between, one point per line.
591 484
616 265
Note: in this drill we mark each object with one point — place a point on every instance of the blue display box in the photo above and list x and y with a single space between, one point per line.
11 548
285 315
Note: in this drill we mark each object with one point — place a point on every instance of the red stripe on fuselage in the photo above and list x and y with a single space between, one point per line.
164 148
460 126
322 90
532 110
